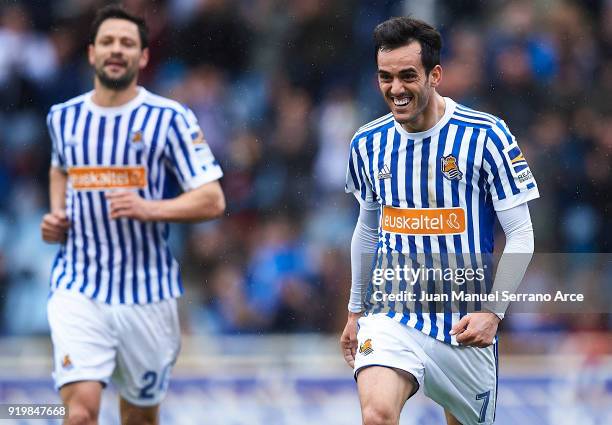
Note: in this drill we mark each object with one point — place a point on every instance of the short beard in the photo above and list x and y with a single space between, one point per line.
120 83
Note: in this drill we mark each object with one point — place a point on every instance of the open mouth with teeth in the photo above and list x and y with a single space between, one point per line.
402 101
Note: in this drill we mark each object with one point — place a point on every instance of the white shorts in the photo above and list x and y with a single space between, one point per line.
134 345
463 380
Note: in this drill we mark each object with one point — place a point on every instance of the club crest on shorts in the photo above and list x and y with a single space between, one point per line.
449 168
136 140
67 363
366 347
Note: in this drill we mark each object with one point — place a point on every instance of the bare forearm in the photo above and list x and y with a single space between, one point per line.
205 203
57 189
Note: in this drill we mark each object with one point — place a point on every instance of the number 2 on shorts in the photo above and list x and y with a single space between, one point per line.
485 404
150 377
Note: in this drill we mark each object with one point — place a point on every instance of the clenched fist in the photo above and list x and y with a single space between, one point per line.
54 226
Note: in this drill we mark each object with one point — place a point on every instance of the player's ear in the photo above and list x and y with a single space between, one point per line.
435 76
144 58
91 55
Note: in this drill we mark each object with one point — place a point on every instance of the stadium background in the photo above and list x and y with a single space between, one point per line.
279 87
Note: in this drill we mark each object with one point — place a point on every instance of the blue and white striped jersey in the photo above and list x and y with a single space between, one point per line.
438 191
132 147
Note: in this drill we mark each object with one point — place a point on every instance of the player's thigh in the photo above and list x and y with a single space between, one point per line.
138 415
83 339
149 345
82 400
450 419
463 380
383 392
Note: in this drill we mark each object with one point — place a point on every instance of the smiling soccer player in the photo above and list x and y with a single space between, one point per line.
437 174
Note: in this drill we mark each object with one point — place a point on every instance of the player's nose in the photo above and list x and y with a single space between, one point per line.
396 87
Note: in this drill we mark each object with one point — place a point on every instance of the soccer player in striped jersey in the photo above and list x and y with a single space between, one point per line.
430 178
114 283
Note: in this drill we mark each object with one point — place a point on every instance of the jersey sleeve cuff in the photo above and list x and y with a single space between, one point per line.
366 205
514 200
201 179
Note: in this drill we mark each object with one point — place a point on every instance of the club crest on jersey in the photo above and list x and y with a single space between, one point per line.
137 140
366 347
385 173
67 363
449 168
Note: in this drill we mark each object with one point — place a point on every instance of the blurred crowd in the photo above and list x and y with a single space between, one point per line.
279 87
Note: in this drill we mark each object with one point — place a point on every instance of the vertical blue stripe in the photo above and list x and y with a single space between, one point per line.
369 145
499 145
383 196
440 203
86 139
351 167
426 239
100 141
183 148
469 189
122 267
412 250
85 144
158 247
142 129
145 257
111 246
95 220
153 226
127 148
116 126
134 253
169 267
144 245
177 168
75 199
499 187
60 151
53 266
130 238
85 253
152 151
62 129
395 202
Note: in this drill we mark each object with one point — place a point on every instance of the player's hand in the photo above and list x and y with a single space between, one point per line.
348 340
476 329
128 204
54 226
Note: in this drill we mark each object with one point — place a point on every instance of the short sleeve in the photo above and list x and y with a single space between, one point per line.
57 159
357 180
188 154
508 174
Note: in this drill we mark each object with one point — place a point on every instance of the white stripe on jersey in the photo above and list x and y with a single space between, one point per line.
478 143
123 261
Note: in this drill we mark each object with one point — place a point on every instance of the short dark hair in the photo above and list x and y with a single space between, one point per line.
115 11
400 31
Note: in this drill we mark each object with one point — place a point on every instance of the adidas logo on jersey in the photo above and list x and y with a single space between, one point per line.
385 173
